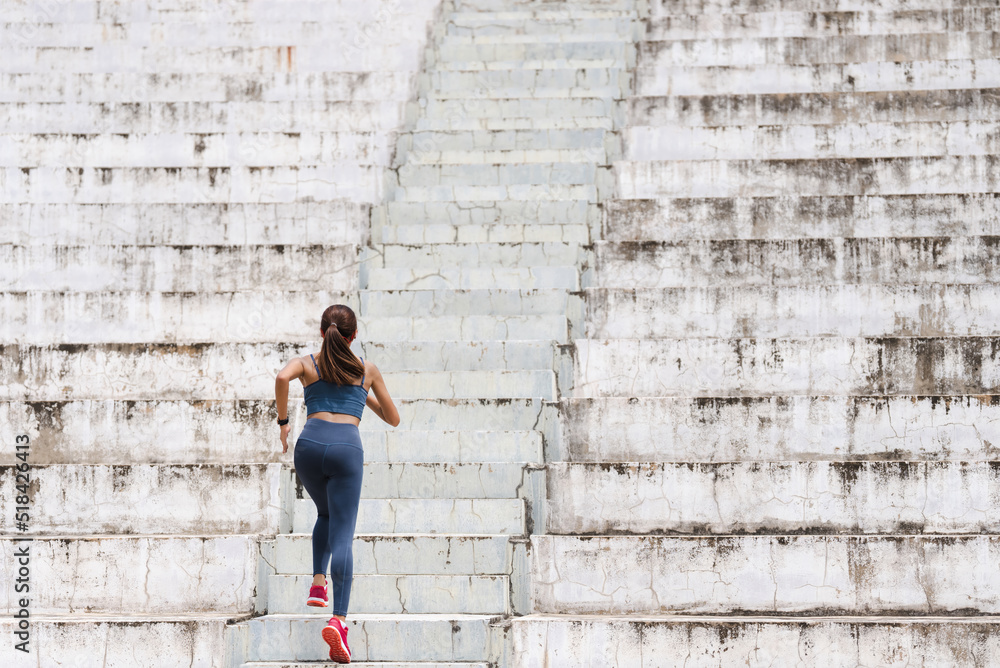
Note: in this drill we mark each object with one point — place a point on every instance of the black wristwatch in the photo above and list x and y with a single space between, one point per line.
283 422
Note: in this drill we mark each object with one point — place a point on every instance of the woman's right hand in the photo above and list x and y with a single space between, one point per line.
285 430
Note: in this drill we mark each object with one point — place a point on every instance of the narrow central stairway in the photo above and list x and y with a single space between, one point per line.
470 292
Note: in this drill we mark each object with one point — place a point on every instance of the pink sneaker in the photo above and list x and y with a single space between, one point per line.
317 597
335 635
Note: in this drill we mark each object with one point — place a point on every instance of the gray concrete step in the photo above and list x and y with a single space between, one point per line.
506 173
755 79
443 480
944 175
813 575
436 516
795 217
782 428
399 594
796 262
772 497
782 367
814 108
843 310
488 195
526 213
674 7
382 638
858 21
605 640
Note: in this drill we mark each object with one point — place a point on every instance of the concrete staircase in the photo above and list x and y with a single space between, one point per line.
779 445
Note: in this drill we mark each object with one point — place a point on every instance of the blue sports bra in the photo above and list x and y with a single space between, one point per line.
321 395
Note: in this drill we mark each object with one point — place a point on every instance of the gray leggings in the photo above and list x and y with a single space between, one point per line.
329 461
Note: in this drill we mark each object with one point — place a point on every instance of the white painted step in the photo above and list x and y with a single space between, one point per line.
168 317
784 428
337 222
430 637
206 185
474 278
135 575
452 447
162 268
480 255
508 37
606 640
435 303
499 414
861 21
465 328
837 261
725 51
437 516
829 575
772 497
404 554
824 177
258 11
433 480
500 173
791 217
182 372
148 87
506 231
674 7
398 594
517 212
583 107
881 76
207 116
789 142
814 108
187 149
76 500
491 122
770 367
502 56
819 310
490 194
115 640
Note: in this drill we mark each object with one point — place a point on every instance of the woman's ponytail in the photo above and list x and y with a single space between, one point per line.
337 363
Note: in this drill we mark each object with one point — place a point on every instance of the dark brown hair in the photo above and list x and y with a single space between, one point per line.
337 364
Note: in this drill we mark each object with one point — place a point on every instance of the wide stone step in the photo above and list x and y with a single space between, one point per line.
136 87
496 147
522 414
796 262
169 28
135 575
867 140
515 123
512 37
746 51
401 55
769 367
465 328
846 310
436 516
944 175
130 316
883 76
603 640
489 194
382 638
826 575
791 217
453 447
474 278
153 116
186 149
176 185
442 480
76 499
673 7
173 640
578 172
825 23
399 594
773 497
404 554
786 428
255 11
200 269
206 370
812 108
579 109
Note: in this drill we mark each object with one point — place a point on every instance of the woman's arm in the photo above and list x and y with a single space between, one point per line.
291 371
384 408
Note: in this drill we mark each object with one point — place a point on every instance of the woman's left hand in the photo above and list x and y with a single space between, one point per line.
285 429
